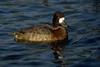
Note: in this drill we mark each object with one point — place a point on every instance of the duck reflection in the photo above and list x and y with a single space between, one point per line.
45 2
96 6
58 52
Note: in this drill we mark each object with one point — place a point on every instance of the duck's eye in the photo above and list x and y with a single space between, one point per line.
61 20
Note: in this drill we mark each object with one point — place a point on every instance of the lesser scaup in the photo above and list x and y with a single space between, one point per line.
44 32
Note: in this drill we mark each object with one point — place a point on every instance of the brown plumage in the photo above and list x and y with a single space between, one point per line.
44 32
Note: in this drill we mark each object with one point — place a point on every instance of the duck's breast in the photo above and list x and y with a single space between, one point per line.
60 33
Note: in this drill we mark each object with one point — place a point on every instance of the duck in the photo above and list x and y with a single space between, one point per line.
56 31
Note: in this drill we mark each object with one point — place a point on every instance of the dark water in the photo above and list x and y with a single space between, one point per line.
82 48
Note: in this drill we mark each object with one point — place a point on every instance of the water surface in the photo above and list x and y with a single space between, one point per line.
82 48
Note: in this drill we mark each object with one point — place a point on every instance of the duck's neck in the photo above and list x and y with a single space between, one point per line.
58 28
55 25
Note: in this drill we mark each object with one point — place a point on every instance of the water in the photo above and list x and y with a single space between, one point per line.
82 48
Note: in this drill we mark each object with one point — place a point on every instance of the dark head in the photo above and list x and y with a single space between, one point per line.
58 19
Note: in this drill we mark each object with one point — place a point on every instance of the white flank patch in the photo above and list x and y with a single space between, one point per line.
61 20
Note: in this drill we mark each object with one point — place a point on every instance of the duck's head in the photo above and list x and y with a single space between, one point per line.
58 19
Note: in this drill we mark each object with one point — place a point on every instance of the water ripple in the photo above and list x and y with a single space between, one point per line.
82 17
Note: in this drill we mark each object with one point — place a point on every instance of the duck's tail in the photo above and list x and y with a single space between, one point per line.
13 33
